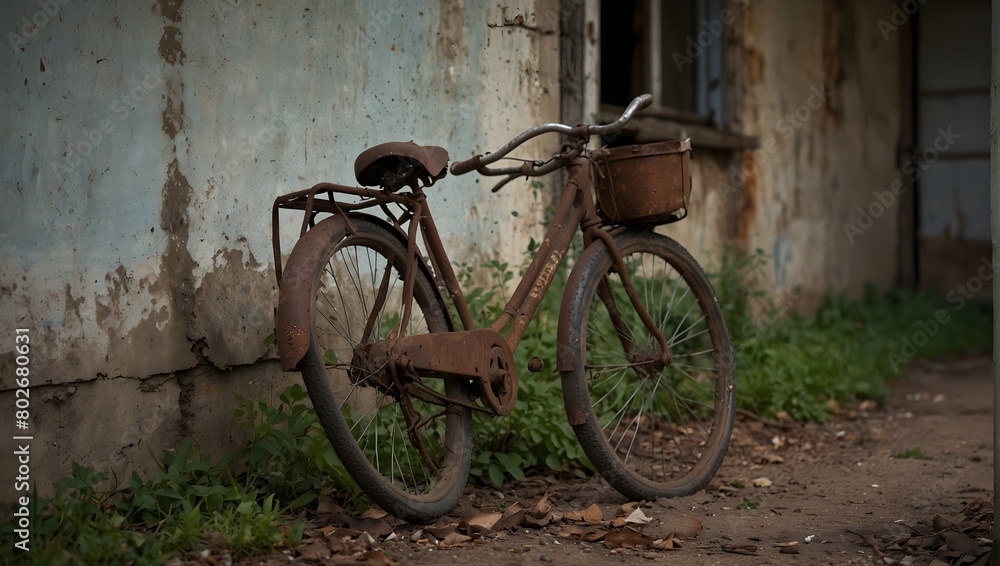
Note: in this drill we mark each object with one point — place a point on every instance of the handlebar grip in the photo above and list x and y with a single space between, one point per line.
642 101
463 167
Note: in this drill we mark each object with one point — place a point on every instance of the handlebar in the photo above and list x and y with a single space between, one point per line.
535 168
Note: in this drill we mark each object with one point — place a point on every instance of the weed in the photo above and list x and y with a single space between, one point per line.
749 504
802 366
737 484
806 366
535 435
190 501
914 453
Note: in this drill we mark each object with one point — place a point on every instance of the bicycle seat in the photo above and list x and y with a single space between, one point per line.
393 164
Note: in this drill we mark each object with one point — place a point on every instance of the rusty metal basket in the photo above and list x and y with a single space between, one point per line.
644 184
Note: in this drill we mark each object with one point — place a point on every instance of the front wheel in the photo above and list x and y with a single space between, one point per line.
651 428
406 449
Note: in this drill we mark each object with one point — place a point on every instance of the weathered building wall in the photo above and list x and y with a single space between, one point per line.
819 85
144 145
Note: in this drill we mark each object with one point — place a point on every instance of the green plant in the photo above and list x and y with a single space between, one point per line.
749 504
802 366
805 366
914 453
81 524
189 501
535 435
289 454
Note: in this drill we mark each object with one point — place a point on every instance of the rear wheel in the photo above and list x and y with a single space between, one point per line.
652 429
356 304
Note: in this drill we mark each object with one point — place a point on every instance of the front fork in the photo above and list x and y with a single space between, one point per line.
590 225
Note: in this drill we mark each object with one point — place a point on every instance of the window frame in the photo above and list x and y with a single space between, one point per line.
712 124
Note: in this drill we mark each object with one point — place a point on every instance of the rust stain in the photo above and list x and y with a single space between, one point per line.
170 44
748 202
839 51
833 70
170 48
754 66
177 264
173 117
72 305
169 9
450 43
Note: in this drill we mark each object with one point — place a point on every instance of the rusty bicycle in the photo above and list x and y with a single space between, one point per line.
643 351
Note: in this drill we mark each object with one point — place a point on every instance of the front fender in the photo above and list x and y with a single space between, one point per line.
292 323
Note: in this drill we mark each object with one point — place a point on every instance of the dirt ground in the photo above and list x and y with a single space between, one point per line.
838 493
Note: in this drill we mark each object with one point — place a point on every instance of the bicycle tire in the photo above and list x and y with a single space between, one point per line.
362 420
650 430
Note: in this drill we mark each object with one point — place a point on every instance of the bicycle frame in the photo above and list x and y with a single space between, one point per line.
486 355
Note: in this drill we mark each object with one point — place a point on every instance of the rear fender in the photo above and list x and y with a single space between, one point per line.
292 323
295 292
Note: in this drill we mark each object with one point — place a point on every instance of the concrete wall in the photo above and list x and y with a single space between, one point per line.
145 142
818 83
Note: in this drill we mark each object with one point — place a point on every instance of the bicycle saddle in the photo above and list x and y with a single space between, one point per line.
394 164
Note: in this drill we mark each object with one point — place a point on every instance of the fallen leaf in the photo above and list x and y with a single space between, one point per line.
325 504
341 546
628 537
478 518
761 482
932 541
594 535
942 523
537 522
377 528
626 509
688 527
512 517
771 459
747 549
456 539
343 533
962 543
540 515
314 551
789 550
374 512
669 543
638 518
441 531
571 531
470 530
542 507
590 516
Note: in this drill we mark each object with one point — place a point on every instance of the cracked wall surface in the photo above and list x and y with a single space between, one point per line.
147 141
